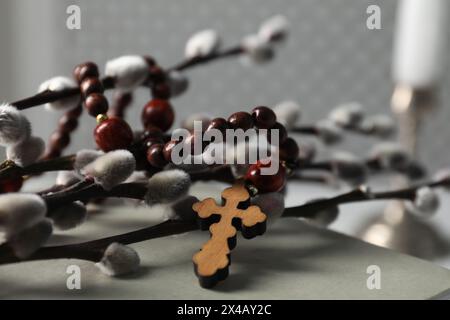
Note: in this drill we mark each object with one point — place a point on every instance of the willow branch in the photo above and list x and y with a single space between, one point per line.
109 83
86 190
358 195
373 165
51 96
132 190
9 168
312 130
187 64
93 250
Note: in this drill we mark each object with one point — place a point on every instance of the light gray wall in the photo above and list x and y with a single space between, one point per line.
331 57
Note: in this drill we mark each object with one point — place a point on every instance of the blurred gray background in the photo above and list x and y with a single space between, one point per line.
331 57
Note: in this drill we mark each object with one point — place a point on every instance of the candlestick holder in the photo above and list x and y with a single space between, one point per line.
397 227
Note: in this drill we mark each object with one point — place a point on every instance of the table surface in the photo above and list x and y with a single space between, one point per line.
353 217
293 260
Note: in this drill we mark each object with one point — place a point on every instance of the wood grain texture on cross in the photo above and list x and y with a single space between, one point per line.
212 261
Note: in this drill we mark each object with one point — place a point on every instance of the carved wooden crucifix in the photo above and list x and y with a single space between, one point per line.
212 261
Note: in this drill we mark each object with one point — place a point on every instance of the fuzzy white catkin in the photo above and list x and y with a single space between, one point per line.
193 164
426 202
257 50
307 150
167 186
69 216
390 155
202 43
19 211
328 131
31 239
26 152
85 157
111 168
249 152
182 210
137 176
128 71
348 167
347 115
239 170
66 178
380 125
178 83
272 204
14 126
274 28
58 84
188 123
119 260
288 113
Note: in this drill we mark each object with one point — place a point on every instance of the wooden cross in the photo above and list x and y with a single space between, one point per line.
212 261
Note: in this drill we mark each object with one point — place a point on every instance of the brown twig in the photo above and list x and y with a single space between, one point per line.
372 164
93 250
108 82
132 190
51 96
9 168
358 195
312 130
86 190
184 65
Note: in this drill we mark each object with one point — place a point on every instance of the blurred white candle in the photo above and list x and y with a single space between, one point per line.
420 42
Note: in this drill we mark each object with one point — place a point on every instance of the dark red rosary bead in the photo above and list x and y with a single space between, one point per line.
307 152
11 184
91 85
76 112
264 182
155 155
161 90
191 142
95 104
85 70
112 134
282 133
152 132
156 74
167 151
219 124
124 98
264 117
147 143
241 120
150 60
289 150
138 135
158 113
59 140
67 123
52 153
